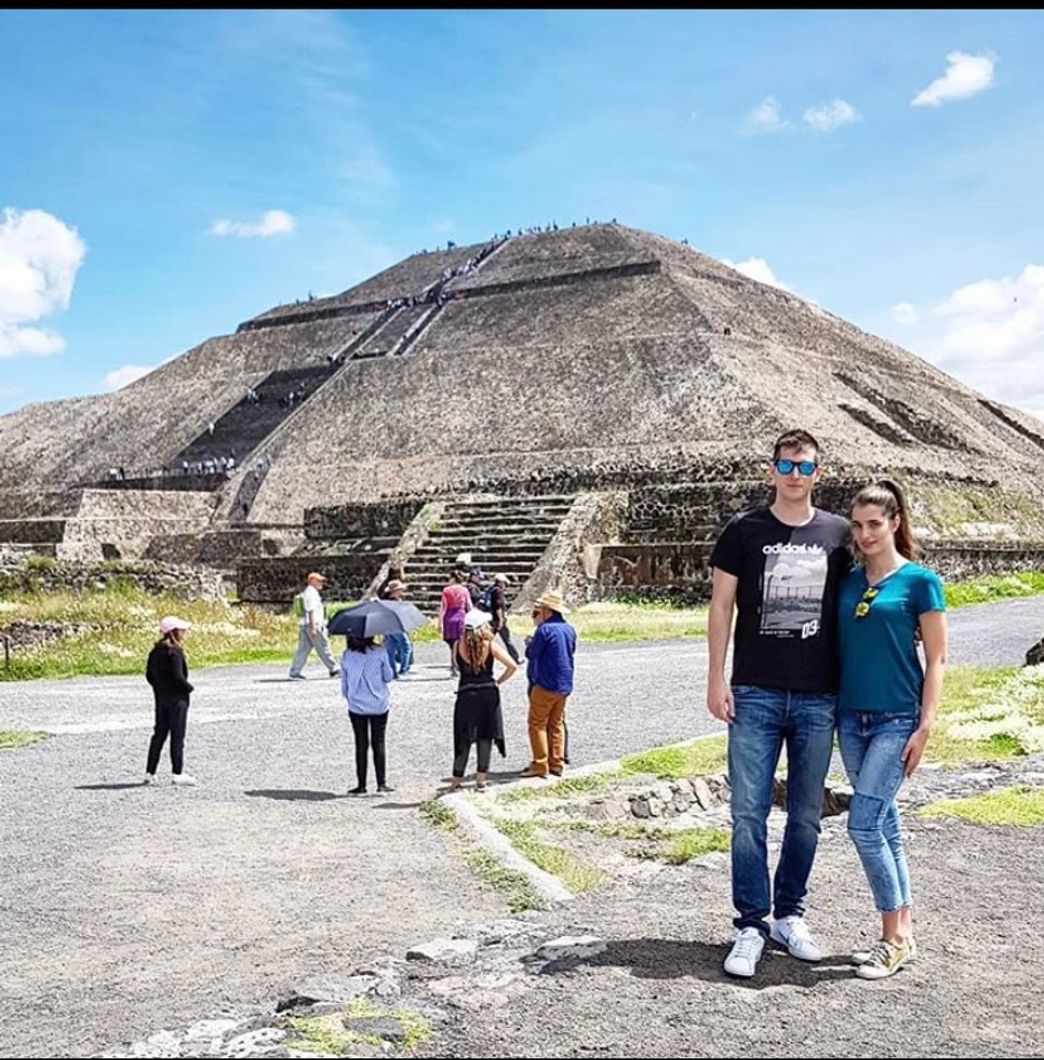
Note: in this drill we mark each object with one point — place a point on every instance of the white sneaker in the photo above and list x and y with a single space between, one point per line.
745 953
865 956
183 780
792 933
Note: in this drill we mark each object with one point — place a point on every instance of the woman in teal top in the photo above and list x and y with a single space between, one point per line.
887 701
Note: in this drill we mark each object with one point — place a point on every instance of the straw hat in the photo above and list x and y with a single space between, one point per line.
554 602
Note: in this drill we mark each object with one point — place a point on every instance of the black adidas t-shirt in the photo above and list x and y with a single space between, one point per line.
786 599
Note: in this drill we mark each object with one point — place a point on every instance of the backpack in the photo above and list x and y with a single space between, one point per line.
299 607
485 600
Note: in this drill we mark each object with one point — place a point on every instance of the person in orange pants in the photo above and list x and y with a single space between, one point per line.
550 651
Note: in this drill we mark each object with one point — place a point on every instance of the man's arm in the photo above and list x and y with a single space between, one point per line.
719 626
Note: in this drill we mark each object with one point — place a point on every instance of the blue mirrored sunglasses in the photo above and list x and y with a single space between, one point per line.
805 467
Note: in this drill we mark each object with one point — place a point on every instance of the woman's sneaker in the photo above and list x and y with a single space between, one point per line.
183 780
886 959
745 953
862 956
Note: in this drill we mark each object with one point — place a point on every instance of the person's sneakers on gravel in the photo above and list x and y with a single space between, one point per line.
150 778
886 959
183 780
864 956
791 932
743 958
356 791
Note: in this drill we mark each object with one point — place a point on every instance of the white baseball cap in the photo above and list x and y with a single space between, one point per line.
172 622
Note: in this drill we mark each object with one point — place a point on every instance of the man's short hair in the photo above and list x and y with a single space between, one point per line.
794 440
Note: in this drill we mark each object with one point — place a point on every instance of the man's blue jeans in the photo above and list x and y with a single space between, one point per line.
766 719
871 744
400 652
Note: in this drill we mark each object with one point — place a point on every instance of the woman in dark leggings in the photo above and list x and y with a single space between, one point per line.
167 672
365 675
476 716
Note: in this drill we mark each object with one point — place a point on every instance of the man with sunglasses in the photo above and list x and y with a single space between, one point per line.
779 567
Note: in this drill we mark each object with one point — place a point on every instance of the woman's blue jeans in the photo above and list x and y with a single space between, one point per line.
871 744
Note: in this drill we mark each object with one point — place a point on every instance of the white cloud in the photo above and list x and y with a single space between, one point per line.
760 270
831 116
990 334
904 313
121 377
965 76
273 223
765 117
39 259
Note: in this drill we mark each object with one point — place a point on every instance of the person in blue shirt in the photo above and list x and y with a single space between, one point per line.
550 652
365 675
887 702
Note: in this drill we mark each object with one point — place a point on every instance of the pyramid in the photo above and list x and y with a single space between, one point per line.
568 358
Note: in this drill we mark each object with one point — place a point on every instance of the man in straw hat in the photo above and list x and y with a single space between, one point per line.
550 652
312 629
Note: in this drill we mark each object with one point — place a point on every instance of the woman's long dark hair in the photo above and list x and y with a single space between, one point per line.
890 498
362 644
172 640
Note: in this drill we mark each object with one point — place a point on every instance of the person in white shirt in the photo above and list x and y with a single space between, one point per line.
312 630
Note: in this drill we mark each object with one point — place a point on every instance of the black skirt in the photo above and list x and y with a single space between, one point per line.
477 716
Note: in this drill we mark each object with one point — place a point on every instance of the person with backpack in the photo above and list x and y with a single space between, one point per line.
497 594
308 606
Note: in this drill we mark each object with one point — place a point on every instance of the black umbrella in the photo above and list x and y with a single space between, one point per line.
373 617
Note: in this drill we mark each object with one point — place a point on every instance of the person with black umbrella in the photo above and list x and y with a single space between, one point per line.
365 676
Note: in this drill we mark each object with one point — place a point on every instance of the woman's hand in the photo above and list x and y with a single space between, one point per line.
913 750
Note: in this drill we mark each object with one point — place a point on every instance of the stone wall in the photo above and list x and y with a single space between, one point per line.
21 574
373 519
568 564
678 571
275 581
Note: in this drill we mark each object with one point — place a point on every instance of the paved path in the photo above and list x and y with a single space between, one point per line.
124 908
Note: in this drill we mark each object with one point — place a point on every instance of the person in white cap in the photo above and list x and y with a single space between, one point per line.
167 672
311 631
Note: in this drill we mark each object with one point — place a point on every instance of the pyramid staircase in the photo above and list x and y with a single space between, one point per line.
505 535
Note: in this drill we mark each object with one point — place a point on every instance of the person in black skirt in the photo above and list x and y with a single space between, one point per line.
167 672
477 718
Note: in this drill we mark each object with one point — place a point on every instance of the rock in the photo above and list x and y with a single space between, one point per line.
713 862
1035 655
704 795
338 989
571 947
836 799
254 1043
640 808
210 1029
386 1027
444 951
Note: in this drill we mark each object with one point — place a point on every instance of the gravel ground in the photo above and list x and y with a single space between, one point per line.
125 908
659 991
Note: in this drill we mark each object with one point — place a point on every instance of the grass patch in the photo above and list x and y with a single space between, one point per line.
617 621
416 1028
992 587
436 812
689 843
324 1034
1020 806
576 876
988 715
514 886
674 763
561 789
121 626
12 738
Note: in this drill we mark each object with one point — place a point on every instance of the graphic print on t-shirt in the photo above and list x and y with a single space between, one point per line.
793 582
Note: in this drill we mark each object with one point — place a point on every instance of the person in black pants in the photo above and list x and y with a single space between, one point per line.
167 672
500 626
365 675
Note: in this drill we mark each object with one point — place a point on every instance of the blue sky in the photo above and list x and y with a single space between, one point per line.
165 175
